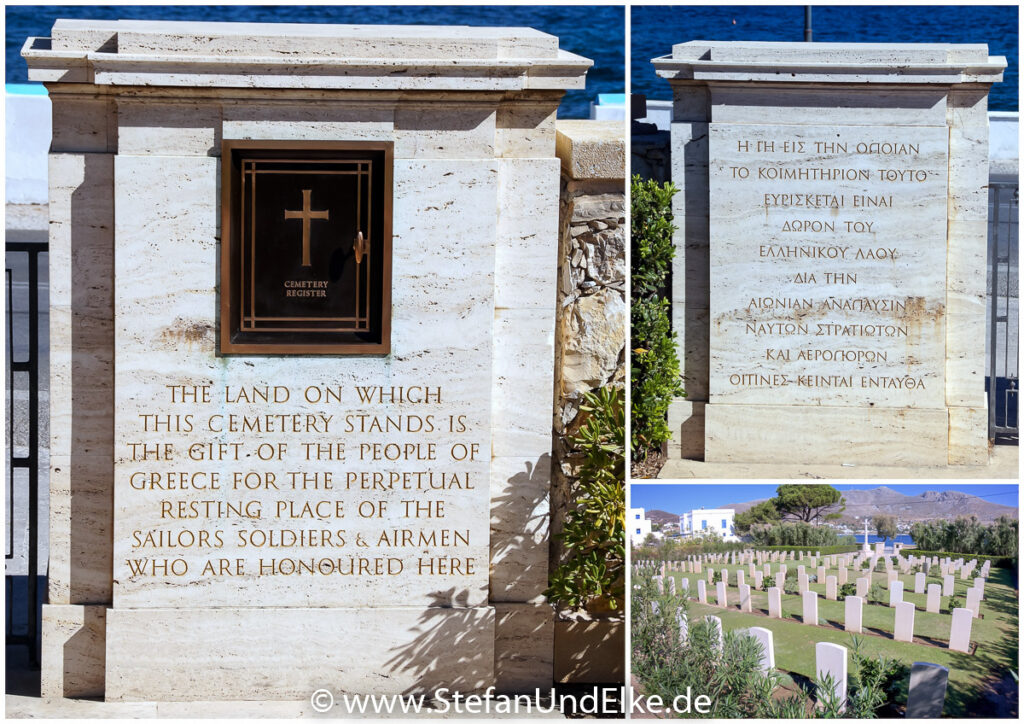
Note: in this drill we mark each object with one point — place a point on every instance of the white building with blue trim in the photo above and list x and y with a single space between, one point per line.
702 523
638 526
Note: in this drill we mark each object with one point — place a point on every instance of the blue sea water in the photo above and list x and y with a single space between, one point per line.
655 29
595 32
872 539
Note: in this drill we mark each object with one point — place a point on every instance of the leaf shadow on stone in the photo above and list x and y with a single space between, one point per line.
519 518
454 645
453 648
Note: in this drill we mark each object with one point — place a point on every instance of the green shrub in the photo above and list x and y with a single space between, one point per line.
666 666
878 593
654 368
966 535
594 533
876 684
847 589
793 534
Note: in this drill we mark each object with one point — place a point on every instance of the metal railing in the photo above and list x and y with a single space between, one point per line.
23 590
1003 285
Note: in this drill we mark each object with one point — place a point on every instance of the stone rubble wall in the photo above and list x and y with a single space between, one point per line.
592 314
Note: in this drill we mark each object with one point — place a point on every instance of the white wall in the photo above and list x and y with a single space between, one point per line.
638 526
26 144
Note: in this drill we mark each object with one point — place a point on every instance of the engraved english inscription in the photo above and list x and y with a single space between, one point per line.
307 255
828 265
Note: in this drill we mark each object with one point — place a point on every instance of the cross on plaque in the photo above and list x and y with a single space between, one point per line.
307 215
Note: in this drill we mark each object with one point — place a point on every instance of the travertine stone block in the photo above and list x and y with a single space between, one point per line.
523 646
140 113
787 180
73 651
401 650
520 517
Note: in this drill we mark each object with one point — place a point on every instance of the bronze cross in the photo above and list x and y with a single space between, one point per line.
307 215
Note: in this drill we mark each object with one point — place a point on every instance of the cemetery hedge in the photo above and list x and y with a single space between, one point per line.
654 369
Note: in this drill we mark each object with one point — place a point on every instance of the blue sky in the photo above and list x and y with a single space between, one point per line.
680 498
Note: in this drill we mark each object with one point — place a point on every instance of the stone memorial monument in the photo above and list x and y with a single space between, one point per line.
829 280
302 311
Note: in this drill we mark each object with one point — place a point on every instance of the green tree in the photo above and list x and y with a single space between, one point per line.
654 369
885 526
809 503
763 513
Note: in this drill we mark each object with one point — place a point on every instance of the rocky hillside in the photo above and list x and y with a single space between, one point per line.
929 505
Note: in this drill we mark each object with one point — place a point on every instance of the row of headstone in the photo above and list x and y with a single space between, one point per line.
928 682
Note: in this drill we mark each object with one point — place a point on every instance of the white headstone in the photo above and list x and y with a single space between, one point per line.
659 583
683 625
671 586
842 575
758 579
830 661
830 588
774 602
740 578
933 602
723 599
862 587
780 580
919 582
973 602
745 597
810 599
947 585
927 695
979 583
960 630
895 593
854 614
702 590
904 628
764 637
719 636
801 579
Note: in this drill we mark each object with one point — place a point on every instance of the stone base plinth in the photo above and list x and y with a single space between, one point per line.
590 652
193 654
523 646
779 434
72 651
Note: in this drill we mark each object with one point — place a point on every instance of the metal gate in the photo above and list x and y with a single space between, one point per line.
1003 314
27 346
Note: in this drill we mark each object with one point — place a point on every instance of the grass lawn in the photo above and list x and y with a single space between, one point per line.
996 634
